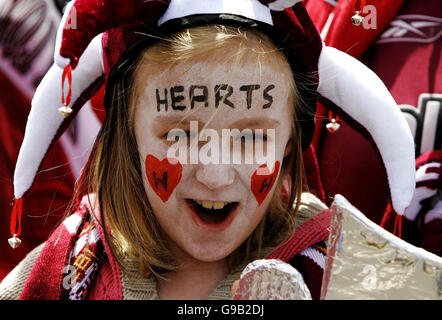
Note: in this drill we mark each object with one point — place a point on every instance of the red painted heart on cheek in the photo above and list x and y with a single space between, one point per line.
262 183
163 176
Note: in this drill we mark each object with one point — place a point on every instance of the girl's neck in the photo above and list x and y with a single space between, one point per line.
194 280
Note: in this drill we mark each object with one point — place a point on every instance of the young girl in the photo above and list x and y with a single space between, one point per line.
168 206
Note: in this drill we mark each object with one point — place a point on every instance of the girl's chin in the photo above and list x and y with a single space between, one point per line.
211 257
208 251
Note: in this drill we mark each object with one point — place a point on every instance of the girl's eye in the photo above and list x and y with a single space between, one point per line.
252 136
172 135
259 136
175 133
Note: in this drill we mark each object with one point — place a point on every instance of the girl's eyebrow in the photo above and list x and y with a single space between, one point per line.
172 121
255 122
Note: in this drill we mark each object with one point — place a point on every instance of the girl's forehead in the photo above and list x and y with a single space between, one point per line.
211 72
213 91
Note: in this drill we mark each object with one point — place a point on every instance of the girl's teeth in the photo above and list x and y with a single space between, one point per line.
212 204
207 204
219 205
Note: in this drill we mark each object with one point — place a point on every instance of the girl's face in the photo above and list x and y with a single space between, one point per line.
206 202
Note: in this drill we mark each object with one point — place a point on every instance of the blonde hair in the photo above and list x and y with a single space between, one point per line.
114 169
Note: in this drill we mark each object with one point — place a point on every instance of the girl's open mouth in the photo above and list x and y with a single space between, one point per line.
214 215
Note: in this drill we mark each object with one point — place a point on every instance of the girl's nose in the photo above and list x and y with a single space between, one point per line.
215 176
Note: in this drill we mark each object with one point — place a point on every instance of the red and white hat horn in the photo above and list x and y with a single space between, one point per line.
93 35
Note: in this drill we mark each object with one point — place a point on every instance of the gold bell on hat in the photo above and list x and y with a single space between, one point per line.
14 242
65 111
357 19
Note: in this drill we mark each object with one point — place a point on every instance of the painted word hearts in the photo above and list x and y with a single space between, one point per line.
180 98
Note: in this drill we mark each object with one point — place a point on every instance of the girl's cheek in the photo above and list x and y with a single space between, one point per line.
262 181
259 179
163 175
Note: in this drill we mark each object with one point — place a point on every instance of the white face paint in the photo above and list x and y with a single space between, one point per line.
212 234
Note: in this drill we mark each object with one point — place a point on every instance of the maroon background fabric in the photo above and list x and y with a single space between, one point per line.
427 235
348 164
47 201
